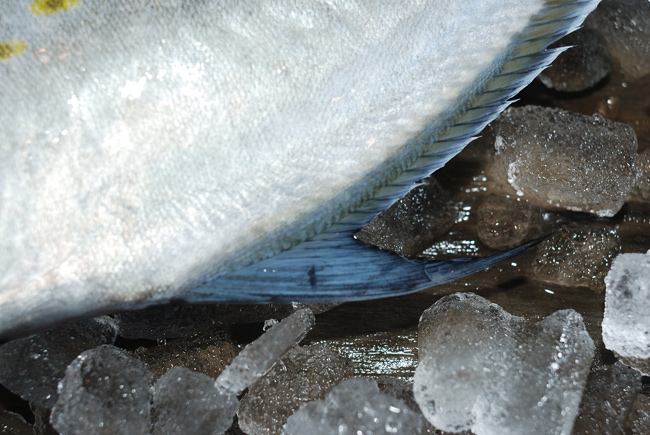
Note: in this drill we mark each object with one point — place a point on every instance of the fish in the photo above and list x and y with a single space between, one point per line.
216 151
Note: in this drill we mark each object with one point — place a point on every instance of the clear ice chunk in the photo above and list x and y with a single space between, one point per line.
642 191
580 67
402 389
578 255
608 398
624 28
638 420
414 222
484 369
564 160
187 402
205 353
626 323
104 391
355 406
302 375
504 223
14 424
33 366
259 356
399 388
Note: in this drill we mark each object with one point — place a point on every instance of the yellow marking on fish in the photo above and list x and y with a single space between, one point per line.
51 7
11 48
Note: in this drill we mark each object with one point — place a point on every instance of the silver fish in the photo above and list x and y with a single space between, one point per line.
153 150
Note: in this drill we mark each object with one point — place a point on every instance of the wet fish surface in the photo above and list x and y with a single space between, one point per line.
227 152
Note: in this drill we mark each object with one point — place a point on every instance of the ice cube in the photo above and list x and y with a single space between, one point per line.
578 255
205 353
187 402
638 420
642 190
33 366
411 224
105 391
259 356
14 424
607 400
42 424
398 388
484 369
580 67
624 28
355 406
626 323
403 390
507 222
565 160
302 375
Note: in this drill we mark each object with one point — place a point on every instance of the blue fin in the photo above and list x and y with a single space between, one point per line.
334 266
336 269
440 272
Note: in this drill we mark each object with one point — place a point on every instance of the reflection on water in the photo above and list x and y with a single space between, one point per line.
393 353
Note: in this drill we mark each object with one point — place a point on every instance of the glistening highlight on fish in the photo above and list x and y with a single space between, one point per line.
216 151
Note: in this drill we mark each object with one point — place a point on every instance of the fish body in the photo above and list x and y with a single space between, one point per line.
226 151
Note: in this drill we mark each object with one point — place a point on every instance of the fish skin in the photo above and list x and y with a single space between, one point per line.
159 151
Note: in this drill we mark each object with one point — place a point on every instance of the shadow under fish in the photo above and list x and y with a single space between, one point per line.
211 152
